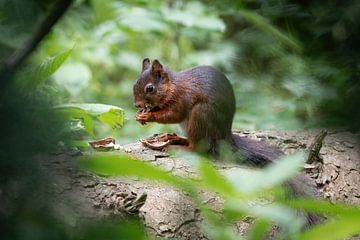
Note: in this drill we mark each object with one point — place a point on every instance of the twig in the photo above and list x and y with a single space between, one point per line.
315 147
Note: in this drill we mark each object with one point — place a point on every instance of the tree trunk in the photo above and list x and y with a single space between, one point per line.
81 196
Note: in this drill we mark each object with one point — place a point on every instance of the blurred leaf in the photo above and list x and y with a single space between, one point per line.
123 165
334 230
318 206
73 113
103 10
286 217
283 169
259 229
216 228
129 60
245 180
88 124
108 114
130 229
218 56
49 67
113 117
78 143
140 19
212 179
190 18
94 109
253 181
7 37
264 25
74 77
33 77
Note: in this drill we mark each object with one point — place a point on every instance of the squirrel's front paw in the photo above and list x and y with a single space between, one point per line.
143 117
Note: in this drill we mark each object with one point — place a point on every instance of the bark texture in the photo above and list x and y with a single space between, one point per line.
167 212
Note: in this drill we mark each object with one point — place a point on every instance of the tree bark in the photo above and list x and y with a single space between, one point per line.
169 213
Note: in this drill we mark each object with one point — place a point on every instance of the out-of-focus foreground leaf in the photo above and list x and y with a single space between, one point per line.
123 165
254 181
333 230
318 206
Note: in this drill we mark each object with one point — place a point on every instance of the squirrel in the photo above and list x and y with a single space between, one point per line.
202 101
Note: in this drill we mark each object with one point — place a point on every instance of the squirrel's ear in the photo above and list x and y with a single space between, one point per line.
145 64
156 68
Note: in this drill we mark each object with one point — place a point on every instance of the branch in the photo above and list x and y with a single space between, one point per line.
170 213
19 56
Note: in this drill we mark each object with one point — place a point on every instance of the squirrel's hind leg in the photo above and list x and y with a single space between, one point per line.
206 127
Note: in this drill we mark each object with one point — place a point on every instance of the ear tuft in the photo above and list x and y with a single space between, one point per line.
145 64
156 67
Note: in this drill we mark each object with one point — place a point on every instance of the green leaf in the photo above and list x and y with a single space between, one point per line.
263 24
254 181
339 229
103 10
113 117
133 18
107 114
74 77
70 113
259 229
49 67
318 206
129 229
191 19
123 165
283 169
88 124
245 180
273 212
78 143
216 228
94 109
35 76
212 179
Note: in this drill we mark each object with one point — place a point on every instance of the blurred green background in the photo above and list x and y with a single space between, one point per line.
293 65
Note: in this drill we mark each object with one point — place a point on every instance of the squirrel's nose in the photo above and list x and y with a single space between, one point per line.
139 104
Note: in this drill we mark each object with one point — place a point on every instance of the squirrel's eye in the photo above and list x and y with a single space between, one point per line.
149 88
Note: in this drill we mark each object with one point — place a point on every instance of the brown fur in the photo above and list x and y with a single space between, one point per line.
202 97
202 100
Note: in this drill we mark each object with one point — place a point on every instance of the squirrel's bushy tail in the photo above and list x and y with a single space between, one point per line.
260 154
253 152
301 186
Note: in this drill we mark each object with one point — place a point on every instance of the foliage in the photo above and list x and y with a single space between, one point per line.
28 128
282 76
293 64
34 76
250 197
84 113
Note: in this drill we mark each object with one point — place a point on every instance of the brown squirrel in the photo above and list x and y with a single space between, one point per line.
202 100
